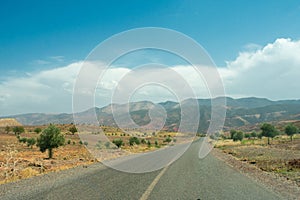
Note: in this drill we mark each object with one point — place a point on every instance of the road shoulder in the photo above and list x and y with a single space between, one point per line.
281 186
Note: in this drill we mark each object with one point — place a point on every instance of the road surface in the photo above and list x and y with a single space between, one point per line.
187 178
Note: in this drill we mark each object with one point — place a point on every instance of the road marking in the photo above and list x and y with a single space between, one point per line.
152 185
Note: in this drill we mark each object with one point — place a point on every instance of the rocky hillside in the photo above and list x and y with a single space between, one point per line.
240 112
9 122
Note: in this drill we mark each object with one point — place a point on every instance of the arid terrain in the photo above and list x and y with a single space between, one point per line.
281 157
18 160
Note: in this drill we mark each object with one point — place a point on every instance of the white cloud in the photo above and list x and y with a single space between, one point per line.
271 71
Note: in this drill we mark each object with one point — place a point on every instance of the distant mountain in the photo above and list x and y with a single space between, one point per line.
240 112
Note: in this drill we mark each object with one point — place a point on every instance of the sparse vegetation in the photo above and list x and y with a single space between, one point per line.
7 129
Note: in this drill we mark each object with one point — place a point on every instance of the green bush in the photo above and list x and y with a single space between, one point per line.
37 130
23 140
168 140
238 136
18 130
31 142
134 140
118 142
149 143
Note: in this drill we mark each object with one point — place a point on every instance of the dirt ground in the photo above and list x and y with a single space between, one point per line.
282 157
17 161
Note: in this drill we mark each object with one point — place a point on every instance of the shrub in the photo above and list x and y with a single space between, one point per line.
37 130
69 142
239 135
118 142
168 139
232 132
73 129
23 140
247 135
253 134
143 141
134 140
18 130
31 142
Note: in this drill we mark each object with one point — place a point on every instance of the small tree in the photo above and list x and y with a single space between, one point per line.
232 132
239 135
73 129
247 135
7 129
37 130
118 142
290 130
149 143
18 130
49 139
30 142
134 140
253 134
268 130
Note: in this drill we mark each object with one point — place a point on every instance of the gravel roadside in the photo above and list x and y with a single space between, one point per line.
280 185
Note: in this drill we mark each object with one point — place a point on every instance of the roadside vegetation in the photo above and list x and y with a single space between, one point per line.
270 147
27 151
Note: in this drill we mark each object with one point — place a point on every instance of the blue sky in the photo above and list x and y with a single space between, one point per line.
37 30
37 36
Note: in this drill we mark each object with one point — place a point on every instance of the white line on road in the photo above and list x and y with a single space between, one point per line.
152 185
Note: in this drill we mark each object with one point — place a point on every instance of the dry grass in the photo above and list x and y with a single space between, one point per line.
17 161
281 157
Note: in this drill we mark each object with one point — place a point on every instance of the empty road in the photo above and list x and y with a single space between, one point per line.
187 178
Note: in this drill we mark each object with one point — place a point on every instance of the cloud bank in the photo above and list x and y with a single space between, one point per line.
271 71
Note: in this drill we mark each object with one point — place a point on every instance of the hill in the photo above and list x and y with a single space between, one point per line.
9 122
240 112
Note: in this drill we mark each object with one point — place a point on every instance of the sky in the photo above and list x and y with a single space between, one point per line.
254 44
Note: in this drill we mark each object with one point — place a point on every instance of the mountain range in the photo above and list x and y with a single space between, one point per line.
239 112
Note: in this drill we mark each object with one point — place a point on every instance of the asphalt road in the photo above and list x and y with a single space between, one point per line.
187 178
